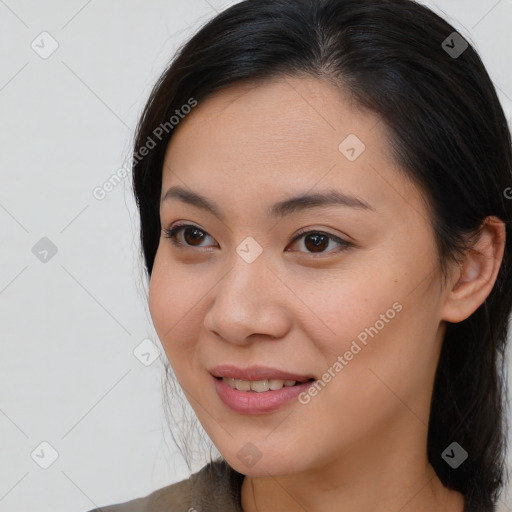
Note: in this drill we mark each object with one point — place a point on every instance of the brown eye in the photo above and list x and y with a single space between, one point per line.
192 235
315 242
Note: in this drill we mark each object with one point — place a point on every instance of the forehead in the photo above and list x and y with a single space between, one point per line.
285 134
283 118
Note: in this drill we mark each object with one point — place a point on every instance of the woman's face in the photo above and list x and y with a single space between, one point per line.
359 312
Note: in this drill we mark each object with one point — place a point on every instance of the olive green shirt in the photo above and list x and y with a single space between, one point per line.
215 488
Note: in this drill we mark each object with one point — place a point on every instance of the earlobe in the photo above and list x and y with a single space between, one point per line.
476 275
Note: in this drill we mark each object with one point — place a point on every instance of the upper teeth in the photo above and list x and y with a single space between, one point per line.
258 385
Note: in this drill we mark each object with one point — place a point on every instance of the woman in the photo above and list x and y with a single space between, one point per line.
322 187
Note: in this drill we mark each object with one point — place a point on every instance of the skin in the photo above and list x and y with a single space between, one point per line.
360 444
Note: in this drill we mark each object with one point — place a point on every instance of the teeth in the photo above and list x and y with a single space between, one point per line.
257 385
276 383
242 385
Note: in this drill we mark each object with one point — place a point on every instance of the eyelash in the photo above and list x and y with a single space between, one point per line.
172 233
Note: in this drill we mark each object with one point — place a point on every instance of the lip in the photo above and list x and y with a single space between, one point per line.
252 402
256 373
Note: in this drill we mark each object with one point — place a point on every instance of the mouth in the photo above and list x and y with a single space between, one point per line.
257 389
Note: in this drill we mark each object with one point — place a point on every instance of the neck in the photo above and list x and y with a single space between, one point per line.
376 477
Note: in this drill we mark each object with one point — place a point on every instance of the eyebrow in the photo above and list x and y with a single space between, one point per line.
279 209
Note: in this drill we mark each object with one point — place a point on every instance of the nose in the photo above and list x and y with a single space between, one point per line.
249 301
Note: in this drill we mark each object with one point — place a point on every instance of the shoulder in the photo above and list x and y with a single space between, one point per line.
172 498
216 482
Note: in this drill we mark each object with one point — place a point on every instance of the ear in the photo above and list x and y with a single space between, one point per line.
474 278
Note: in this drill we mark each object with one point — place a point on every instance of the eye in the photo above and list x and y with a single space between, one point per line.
315 242
195 235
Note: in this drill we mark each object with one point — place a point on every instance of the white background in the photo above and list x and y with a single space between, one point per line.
68 327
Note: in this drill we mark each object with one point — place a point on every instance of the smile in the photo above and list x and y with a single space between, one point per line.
262 399
259 386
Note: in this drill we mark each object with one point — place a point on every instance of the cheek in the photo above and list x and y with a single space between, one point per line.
174 303
349 304
375 316
384 348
